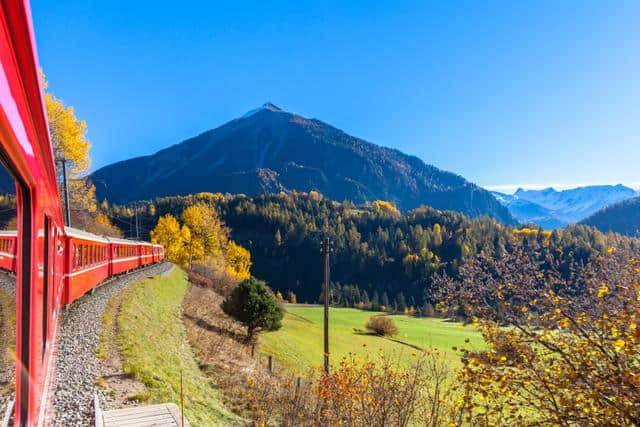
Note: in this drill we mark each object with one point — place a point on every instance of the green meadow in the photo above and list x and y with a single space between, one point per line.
155 350
299 344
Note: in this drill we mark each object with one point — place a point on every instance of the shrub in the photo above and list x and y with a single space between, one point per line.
382 325
222 281
366 392
253 304
293 299
200 280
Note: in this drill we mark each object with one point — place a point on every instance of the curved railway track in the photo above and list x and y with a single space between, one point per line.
78 367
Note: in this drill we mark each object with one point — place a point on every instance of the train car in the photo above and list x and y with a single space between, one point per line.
87 263
26 153
158 253
124 255
8 245
146 253
53 265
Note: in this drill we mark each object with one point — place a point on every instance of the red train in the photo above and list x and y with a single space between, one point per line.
91 259
54 265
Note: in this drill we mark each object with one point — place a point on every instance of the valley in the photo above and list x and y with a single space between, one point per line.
298 344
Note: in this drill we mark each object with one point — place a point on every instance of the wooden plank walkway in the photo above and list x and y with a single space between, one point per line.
166 414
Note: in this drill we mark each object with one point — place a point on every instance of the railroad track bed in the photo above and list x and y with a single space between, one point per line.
78 367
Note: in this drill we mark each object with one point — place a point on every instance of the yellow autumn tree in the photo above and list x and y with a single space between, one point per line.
193 248
70 144
203 241
172 237
68 135
555 354
207 231
386 207
238 261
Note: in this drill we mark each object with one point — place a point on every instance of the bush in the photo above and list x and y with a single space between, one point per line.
214 270
382 325
381 391
200 280
253 304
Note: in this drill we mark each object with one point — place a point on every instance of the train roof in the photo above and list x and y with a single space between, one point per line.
124 241
81 234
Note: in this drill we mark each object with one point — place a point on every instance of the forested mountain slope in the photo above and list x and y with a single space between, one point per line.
269 150
623 218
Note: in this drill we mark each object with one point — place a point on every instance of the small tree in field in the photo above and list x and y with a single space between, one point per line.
293 299
253 304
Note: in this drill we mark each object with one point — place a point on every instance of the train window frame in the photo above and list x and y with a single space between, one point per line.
45 285
24 232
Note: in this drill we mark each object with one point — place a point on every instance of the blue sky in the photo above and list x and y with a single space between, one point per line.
505 94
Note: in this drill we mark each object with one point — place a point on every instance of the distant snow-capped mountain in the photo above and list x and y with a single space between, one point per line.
527 212
550 208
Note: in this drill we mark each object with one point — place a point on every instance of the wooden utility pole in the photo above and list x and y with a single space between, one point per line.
326 248
67 216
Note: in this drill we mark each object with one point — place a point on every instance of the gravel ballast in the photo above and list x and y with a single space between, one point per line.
77 365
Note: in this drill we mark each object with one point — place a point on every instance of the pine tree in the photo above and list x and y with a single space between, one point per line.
385 300
401 303
375 300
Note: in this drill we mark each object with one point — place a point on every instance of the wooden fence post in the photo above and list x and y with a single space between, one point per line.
270 364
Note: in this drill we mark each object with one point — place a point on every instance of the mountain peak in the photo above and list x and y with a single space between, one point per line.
271 107
266 106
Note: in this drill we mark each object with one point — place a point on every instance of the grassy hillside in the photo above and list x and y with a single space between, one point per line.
298 345
154 348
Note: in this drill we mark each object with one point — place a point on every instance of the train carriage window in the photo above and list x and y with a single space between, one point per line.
9 233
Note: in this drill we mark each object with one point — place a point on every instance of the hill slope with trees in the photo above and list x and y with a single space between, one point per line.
380 256
623 218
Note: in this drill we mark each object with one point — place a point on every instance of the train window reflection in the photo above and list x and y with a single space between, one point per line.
8 247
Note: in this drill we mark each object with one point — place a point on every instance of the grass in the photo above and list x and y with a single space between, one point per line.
154 347
299 344
108 322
